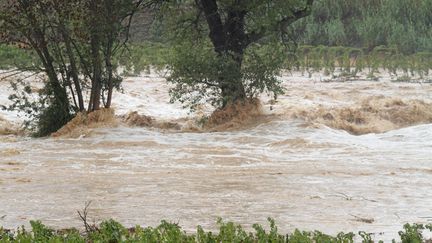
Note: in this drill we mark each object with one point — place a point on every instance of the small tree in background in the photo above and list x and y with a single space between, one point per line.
229 50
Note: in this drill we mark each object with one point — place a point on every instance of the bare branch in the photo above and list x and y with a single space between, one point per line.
83 216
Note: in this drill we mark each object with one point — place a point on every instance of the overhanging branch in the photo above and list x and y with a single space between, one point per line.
281 25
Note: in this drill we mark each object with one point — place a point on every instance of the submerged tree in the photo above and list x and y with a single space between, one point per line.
230 50
76 42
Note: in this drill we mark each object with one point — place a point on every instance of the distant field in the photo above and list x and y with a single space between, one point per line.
333 61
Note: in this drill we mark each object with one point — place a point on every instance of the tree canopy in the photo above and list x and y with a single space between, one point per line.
75 42
229 50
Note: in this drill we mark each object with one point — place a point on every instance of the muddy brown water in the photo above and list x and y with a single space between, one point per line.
298 168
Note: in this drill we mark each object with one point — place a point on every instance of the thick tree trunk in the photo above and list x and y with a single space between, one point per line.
214 21
235 38
228 40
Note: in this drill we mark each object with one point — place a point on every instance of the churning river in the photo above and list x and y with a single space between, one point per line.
330 156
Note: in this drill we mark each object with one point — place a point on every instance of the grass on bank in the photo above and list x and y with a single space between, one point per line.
112 231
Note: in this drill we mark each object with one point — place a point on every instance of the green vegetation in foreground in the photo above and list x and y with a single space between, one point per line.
112 231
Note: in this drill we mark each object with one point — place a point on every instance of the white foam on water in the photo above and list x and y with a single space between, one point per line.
308 177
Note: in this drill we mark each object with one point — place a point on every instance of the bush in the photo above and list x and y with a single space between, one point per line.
112 231
51 118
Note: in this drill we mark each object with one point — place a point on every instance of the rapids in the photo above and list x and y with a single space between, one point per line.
330 156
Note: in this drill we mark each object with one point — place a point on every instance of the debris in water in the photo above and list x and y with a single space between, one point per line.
363 220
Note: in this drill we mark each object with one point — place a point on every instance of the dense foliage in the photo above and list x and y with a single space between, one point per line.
228 51
112 231
404 24
75 43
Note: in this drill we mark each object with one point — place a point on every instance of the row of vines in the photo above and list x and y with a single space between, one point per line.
350 62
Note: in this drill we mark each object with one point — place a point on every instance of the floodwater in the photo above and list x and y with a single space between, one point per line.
341 156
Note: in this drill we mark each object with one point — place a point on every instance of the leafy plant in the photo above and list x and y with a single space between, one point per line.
112 231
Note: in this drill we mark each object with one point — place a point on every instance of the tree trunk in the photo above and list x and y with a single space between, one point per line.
41 46
228 40
110 75
235 38
108 52
95 44
74 69
59 92
214 21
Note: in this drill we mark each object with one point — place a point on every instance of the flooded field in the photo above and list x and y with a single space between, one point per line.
330 156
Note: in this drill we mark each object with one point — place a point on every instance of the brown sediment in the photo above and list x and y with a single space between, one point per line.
8 139
236 115
291 142
23 180
6 128
363 220
9 152
309 97
239 115
13 163
168 125
135 119
122 144
82 123
374 114
416 170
